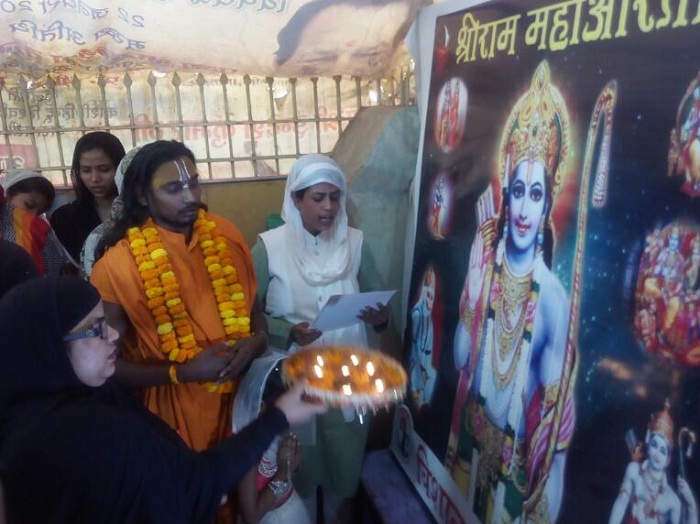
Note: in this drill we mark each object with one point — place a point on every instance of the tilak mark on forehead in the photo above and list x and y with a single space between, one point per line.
185 176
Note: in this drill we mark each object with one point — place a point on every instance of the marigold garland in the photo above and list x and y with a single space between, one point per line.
163 291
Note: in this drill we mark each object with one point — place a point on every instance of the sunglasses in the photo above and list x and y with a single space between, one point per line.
100 330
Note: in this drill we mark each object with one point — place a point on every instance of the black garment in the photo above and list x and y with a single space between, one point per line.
70 453
73 223
16 266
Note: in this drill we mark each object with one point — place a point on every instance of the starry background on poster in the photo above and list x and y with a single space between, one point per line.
618 385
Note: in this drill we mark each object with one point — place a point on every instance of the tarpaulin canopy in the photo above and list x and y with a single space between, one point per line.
258 37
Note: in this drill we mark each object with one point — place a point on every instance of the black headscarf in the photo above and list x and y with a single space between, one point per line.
71 453
34 317
16 266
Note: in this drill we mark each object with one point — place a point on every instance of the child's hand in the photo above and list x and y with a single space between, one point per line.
288 455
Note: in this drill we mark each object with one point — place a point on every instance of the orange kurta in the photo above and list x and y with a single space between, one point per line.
201 418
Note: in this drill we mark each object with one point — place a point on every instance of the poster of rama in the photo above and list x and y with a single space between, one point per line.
553 326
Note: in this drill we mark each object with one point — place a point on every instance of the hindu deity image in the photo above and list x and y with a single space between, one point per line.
514 346
684 152
667 293
646 494
425 339
440 206
451 114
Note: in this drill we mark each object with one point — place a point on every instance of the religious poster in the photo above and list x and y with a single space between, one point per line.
553 326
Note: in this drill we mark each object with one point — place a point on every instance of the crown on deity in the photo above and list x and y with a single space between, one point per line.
662 423
537 130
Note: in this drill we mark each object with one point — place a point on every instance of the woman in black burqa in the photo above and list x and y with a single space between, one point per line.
72 452
16 266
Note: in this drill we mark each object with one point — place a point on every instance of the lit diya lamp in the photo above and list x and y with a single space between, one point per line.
348 376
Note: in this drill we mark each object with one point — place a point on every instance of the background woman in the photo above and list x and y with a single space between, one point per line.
95 160
29 190
74 447
299 265
23 195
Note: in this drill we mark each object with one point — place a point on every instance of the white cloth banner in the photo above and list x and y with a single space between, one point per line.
260 37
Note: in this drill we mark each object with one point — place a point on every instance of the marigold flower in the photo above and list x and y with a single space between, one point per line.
191 345
137 242
207 243
213 267
165 328
162 319
183 331
225 305
149 231
148 275
156 302
159 310
226 314
168 336
177 310
170 295
185 337
145 266
181 356
154 292
168 346
219 282
173 302
172 356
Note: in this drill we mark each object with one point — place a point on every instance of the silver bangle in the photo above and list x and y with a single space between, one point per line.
278 488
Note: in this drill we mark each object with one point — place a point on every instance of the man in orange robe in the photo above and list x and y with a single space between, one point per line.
161 190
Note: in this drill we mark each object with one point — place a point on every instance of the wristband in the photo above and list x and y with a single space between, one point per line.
172 373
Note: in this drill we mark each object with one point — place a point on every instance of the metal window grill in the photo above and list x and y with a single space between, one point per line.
239 127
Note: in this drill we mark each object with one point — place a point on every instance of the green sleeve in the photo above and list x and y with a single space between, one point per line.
368 275
277 328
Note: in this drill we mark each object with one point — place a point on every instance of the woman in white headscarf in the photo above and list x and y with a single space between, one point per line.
299 265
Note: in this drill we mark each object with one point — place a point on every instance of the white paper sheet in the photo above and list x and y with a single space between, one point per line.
342 310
